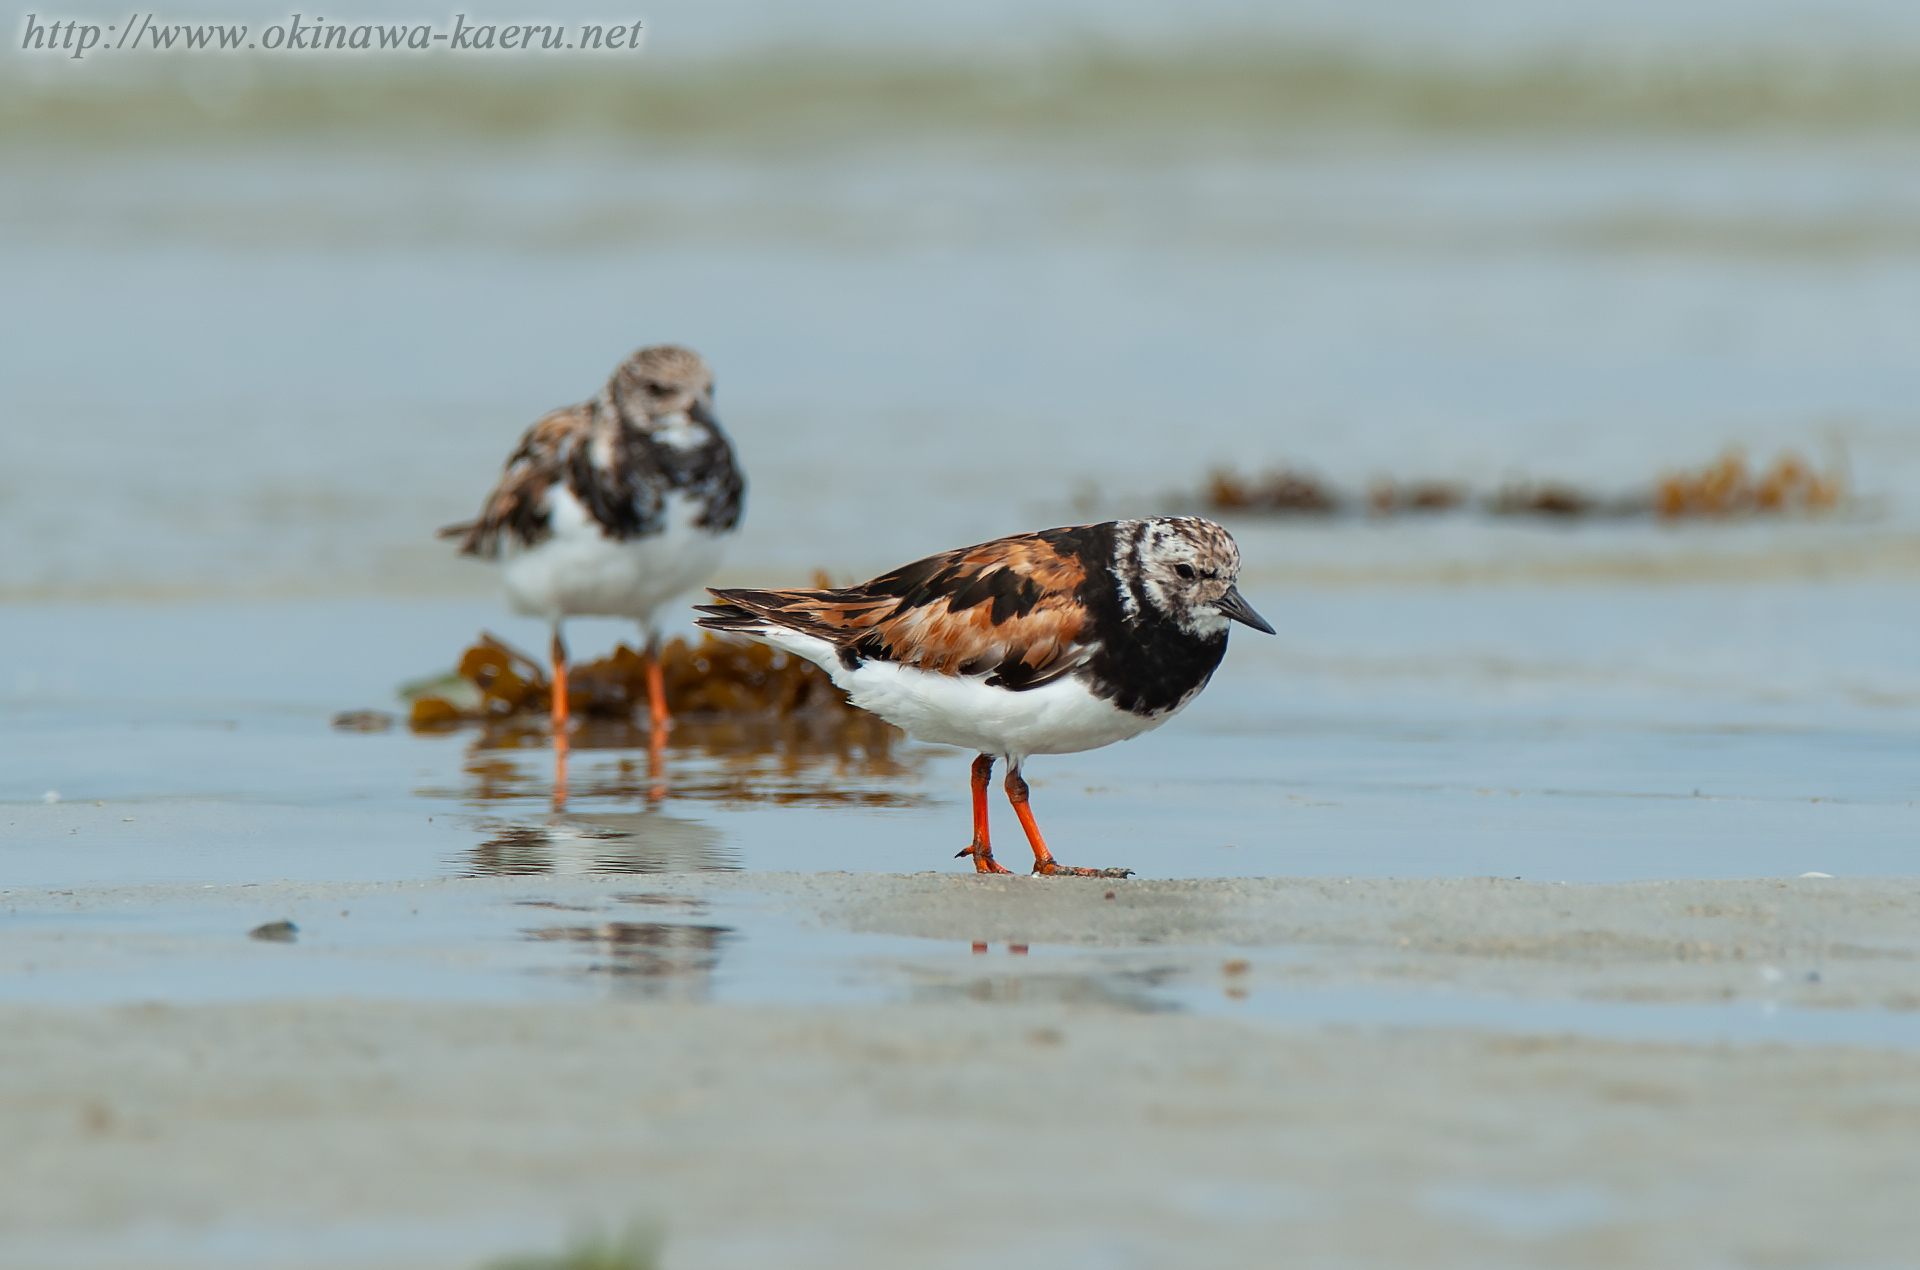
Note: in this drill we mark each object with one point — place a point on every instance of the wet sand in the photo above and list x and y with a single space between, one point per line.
937 1137
970 1109
498 1019
1817 943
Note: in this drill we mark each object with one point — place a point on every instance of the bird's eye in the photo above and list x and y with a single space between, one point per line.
1184 570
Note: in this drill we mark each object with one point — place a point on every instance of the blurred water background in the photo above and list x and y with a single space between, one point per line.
964 270
970 269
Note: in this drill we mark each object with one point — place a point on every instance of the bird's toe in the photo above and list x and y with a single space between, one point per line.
1052 870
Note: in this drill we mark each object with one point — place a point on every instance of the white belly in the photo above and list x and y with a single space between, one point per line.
1062 717
578 571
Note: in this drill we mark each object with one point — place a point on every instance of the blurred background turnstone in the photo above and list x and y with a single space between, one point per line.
614 507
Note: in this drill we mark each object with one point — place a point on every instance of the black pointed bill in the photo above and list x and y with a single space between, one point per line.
1235 607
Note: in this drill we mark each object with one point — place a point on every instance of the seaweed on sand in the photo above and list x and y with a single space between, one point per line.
715 678
1281 491
750 724
1388 498
1725 488
1559 501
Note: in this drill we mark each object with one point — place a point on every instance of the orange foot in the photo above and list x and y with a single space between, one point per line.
983 861
1055 869
1043 862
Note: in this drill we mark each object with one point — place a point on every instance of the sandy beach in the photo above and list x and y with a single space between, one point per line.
1064 1107
313 1134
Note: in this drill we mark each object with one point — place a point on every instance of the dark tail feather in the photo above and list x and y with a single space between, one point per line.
754 612
729 614
476 537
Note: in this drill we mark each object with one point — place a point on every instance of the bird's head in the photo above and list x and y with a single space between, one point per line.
1185 568
666 390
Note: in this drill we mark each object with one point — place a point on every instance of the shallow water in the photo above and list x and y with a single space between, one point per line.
675 940
275 370
1595 734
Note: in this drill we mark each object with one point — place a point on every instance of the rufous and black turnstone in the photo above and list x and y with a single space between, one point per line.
613 507
1045 643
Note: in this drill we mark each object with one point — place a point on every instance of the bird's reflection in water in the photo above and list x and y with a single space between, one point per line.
1132 990
656 960
604 842
846 758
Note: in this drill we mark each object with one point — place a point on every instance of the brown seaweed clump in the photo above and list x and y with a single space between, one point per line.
1388 498
1558 501
715 678
1541 500
1281 491
1726 487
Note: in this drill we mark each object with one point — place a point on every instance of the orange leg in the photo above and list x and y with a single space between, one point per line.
656 763
981 848
657 715
1043 861
656 686
559 685
559 721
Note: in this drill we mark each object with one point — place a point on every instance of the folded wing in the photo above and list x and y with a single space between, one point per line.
517 504
1009 610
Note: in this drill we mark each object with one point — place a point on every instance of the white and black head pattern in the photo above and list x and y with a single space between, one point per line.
1162 628
1181 569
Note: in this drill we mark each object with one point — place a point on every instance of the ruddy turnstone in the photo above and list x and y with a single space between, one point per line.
614 507
1046 643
